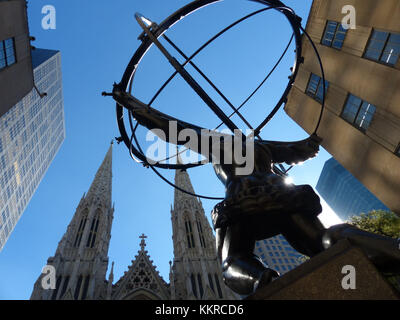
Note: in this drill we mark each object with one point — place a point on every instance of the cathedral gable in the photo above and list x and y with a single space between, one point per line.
142 281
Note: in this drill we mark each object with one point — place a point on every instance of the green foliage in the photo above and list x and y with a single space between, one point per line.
378 221
384 223
303 258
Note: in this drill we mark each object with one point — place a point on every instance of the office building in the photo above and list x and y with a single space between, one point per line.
360 126
16 74
31 133
277 253
344 193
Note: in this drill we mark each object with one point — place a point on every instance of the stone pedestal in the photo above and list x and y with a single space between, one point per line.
325 277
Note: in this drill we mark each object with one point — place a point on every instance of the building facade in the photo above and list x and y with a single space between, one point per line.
81 258
360 126
31 133
196 271
344 193
278 254
16 72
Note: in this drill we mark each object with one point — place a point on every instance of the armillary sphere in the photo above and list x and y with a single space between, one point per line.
151 35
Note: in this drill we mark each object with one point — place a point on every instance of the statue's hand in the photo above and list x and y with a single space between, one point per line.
294 152
306 149
314 142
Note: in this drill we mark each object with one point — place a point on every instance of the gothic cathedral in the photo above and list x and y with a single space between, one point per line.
81 259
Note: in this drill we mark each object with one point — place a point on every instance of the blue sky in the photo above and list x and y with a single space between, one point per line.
96 40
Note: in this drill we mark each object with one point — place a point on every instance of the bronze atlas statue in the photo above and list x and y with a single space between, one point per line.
258 204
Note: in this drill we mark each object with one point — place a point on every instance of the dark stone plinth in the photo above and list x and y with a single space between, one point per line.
320 278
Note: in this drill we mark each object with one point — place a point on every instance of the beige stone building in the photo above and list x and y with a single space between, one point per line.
361 122
81 259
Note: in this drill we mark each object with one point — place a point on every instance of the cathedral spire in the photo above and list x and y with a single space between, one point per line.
81 259
195 266
182 180
101 186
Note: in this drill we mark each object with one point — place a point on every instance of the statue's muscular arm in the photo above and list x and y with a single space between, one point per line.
153 119
293 152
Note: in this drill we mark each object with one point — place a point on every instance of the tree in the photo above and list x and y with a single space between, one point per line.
384 223
378 221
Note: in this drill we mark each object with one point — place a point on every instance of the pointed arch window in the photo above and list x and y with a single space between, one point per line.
193 281
201 235
64 287
93 230
81 287
81 227
218 286
58 282
210 281
189 234
78 288
85 287
200 285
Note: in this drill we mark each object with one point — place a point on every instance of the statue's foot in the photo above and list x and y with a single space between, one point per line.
246 274
267 277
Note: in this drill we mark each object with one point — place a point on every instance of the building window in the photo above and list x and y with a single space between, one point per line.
85 288
54 296
200 285
79 234
7 53
218 286
93 231
201 235
193 281
64 287
315 88
334 35
78 288
210 281
397 152
189 234
358 112
383 47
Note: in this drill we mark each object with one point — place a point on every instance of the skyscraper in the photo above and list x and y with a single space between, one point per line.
344 193
31 133
278 254
360 126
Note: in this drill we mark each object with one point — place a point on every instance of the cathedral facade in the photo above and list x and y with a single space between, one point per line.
81 259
